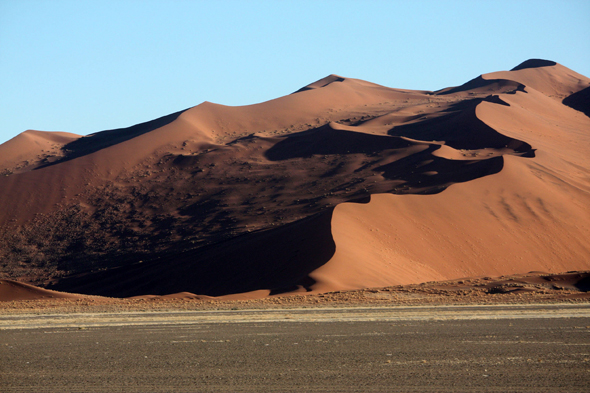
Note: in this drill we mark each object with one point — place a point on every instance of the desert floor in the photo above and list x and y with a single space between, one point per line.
522 333
491 348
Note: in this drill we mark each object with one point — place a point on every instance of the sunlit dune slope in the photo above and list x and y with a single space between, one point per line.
31 149
13 290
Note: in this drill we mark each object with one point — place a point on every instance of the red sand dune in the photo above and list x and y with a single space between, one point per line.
343 184
32 147
13 290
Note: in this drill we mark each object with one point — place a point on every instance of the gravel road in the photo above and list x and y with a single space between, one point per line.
398 349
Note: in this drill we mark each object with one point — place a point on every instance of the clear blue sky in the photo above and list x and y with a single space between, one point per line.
84 66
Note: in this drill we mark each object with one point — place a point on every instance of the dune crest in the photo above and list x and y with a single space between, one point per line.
31 149
551 79
344 184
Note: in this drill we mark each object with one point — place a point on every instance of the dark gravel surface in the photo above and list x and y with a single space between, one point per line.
491 355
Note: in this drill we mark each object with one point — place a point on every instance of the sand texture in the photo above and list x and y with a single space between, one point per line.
342 185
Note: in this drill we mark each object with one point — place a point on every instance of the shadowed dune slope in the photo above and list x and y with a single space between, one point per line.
579 101
343 184
462 129
278 260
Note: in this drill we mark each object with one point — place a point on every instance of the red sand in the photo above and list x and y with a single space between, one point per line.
13 290
342 185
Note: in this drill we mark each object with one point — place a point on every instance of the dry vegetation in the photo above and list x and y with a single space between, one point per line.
532 288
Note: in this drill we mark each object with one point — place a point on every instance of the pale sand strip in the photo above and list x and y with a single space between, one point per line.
324 314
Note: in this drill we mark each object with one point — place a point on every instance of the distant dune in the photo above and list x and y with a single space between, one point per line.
343 184
13 290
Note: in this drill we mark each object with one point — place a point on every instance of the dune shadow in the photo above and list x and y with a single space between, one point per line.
419 173
583 284
103 139
431 174
534 63
579 101
321 83
493 86
460 128
581 281
278 259
326 140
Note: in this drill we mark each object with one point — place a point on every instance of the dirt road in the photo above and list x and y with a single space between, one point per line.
398 349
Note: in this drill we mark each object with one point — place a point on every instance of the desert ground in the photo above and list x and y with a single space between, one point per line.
490 348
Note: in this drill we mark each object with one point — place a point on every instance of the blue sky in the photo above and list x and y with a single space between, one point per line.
86 66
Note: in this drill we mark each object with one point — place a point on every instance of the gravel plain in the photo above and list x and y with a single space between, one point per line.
520 348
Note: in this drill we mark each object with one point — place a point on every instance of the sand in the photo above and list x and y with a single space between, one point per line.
532 288
341 185
16 291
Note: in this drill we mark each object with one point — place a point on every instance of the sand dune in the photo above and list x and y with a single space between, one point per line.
547 77
12 290
343 184
472 229
32 149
